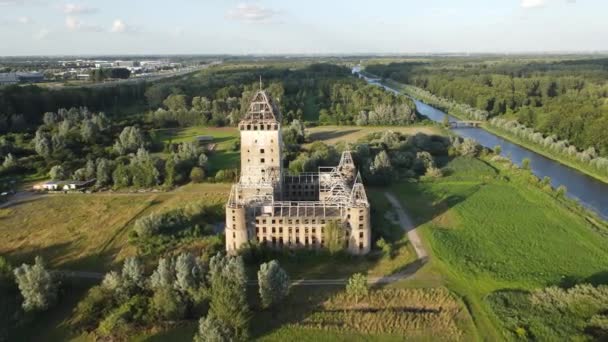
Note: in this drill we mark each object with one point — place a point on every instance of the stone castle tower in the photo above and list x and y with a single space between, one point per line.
290 211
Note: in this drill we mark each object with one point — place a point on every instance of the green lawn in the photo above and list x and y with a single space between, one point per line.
488 232
223 157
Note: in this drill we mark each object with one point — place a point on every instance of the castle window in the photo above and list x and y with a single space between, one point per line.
257 221
360 218
361 235
314 231
233 211
264 230
360 245
261 150
273 230
257 230
262 160
248 126
297 230
281 230
361 226
273 222
275 126
348 216
268 127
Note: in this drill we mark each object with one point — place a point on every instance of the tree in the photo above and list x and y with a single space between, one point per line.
525 164
104 172
164 275
176 102
384 246
187 272
133 273
170 173
228 294
168 304
211 329
273 282
197 175
57 173
497 149
357 286
37 286
129 140
334 236
9 162
121 176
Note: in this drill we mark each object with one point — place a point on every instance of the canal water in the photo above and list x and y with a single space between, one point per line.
589 191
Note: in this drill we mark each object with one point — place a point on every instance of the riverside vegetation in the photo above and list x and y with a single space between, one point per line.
559 104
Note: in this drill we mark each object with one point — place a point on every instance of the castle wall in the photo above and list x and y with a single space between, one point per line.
236 229
260 152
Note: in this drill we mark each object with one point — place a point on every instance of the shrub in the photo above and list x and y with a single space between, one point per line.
167 304
197 175
357 286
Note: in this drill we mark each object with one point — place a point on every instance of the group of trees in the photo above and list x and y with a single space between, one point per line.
181 287
385 156
98 75
562 147
565 98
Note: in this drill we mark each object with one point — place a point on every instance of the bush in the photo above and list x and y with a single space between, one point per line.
167 304
357 286
197 175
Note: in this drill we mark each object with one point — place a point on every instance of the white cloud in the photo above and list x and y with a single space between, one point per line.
119 26
532 3
251 13
21 2
24 20
78 9
41 34
75 24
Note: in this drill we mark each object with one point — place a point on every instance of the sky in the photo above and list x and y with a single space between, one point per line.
94 27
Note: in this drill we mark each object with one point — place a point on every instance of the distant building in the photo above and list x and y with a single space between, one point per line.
30 77
20 77
64 185
8 78
103 64
124 64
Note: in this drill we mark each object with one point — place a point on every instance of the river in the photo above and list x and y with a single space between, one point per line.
590 192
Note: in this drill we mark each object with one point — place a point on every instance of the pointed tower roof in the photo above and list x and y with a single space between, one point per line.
262 109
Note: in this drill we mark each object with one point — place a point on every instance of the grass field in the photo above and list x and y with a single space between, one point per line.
222 158
487 233
334 134
86 231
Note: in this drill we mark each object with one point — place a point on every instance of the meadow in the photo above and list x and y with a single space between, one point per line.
223 157
334 134
87 231
490 228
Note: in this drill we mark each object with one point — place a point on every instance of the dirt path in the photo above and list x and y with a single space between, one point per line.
408 226
410 270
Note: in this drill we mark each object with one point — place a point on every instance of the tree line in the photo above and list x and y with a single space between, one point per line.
565 98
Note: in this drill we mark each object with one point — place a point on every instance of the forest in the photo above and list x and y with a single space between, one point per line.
564 98
120 149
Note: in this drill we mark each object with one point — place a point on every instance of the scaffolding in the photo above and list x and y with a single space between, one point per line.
336 192
262 110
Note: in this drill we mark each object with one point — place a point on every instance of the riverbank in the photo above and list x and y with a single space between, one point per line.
419 94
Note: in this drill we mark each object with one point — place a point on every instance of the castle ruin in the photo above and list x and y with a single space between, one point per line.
281 210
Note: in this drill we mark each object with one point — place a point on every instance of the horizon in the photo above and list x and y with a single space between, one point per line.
271 27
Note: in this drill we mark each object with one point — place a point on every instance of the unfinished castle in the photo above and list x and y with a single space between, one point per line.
281 210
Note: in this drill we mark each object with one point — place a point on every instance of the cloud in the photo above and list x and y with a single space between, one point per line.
75 24
21 2
78 9
119 26
24 20
41 34
251 13
532 3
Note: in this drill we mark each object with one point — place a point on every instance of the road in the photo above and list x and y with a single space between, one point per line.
405 222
